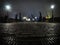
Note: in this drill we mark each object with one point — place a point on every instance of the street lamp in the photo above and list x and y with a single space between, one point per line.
52 8
7 7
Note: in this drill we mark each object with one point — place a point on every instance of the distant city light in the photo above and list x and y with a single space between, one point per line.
35 17
24 17
8 7
48 17
28 19
52 6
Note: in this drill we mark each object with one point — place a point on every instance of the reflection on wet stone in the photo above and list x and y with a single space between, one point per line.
10 40
29 34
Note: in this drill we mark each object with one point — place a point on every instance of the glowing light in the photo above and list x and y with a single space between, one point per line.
48 17
28 19
35 17
24 17
52 6
8 7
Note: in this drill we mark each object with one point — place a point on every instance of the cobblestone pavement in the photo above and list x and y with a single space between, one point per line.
30 33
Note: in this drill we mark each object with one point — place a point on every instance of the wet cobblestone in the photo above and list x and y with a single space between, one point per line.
30 34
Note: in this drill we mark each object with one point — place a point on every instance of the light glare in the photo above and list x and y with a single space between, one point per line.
52 6
28 19
35 17
8 7
24 17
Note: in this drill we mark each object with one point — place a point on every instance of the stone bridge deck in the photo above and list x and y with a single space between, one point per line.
29 33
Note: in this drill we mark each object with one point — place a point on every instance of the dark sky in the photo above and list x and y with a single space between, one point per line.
28 7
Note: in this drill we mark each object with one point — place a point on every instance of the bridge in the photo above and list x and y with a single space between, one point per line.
30 33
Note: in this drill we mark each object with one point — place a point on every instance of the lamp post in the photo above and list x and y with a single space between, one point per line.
8 9
52 8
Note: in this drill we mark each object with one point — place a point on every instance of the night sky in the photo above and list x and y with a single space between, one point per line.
28 7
